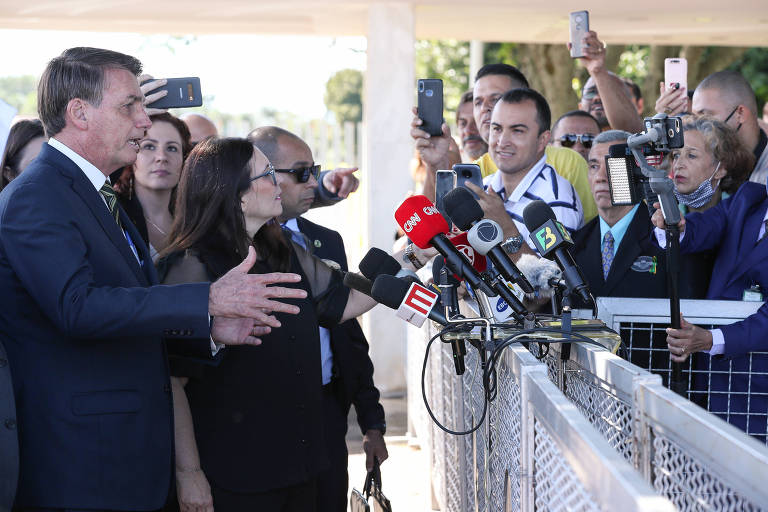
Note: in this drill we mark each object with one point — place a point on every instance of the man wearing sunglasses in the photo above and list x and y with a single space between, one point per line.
727 96
576 130
347 370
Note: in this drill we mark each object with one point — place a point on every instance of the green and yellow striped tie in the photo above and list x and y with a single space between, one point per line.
109 195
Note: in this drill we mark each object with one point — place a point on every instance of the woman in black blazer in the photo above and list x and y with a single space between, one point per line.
251 427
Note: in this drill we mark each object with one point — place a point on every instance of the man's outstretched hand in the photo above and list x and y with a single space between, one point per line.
238 295
341 181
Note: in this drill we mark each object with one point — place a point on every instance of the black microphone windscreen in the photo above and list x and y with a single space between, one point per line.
377 262
537 213
462 208
389 290
358 282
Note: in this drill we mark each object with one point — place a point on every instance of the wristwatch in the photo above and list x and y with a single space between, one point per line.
412 257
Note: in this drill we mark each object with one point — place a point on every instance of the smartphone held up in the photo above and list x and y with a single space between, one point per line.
182 93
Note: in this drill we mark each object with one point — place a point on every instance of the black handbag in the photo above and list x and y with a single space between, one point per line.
371 495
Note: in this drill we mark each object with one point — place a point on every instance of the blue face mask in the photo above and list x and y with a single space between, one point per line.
702 194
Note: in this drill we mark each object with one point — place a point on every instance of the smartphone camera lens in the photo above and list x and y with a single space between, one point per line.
421 86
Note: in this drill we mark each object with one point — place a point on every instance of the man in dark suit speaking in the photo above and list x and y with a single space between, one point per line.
81 316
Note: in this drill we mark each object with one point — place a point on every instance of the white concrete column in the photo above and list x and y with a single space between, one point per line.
387 151
476 48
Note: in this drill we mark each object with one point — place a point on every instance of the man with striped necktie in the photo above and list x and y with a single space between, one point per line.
81 316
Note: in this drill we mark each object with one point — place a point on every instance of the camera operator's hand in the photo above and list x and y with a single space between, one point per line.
150 85
672 101
658 219
686 340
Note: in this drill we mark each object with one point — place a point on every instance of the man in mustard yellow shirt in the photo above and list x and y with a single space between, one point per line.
491 82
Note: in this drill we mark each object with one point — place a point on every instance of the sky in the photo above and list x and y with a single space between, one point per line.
244 73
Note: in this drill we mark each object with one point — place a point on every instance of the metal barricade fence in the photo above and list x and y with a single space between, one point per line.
535 451
642 323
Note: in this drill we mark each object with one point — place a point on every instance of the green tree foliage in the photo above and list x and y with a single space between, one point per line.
447 60
20 92
344 95
754 66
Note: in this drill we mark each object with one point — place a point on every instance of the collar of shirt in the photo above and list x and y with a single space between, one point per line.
619 229
296 234
494 181
95 176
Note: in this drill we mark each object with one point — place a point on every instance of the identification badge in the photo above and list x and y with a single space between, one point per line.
753 294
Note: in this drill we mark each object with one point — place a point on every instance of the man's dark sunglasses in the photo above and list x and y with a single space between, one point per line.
303 173
569 139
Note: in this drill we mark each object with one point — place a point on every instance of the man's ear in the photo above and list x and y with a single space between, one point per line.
544 139
77 113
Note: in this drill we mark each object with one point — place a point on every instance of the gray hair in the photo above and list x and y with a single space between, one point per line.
611 136
76 73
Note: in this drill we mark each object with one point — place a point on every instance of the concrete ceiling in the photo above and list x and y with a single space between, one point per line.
700 22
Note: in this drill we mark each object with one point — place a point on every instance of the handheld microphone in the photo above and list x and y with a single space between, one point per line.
424 225
460 241
358 282
413 302
552 241
486 236
377 262
543 274
448 284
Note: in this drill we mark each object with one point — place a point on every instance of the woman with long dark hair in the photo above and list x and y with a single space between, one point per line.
146 188
250 427
25 139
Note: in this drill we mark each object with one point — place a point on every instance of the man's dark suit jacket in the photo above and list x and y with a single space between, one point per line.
84 332
348 343
631 273
9 442
733 226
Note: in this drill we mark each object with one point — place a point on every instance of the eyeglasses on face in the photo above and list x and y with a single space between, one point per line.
270 172
303 173
570 139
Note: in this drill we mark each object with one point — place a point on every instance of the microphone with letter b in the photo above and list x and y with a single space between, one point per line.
423 224
552 241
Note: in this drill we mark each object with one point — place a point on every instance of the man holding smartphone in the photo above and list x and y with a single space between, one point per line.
491 82
604 95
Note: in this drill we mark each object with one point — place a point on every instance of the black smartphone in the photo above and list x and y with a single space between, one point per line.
445 181
579 27
430 105
468 173
182 93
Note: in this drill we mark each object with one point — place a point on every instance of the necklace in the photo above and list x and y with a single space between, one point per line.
155 226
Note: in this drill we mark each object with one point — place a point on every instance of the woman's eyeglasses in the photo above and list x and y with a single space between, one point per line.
270 173
303 173
569 139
